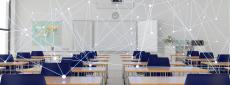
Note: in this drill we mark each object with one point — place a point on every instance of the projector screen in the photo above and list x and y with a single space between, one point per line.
147 35
115 35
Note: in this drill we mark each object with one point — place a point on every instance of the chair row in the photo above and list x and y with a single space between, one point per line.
209 55
191 79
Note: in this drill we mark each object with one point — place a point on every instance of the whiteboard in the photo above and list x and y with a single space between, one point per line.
115 35
147 35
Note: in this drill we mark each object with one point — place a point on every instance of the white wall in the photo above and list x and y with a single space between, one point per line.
207 19
148 36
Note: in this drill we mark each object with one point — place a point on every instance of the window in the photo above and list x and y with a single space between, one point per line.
4 32
3 14
3 42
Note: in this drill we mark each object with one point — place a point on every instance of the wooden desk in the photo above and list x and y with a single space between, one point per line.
2 64
13 64
227 64
156 80
145 64
130 60
177 64
74 81
200 60
37 70
100 64
192 57
166 69
103 55
98 71
127 64
227 68
100 60
88 69
126 57
44 57
34 70
29 60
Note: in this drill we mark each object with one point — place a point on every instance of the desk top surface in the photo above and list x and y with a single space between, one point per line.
31 59
100 59
217 63
228 68
145 63
13 63
157 80
96 63
134 63
199 59
129 58
73 81
166 69
88 69
102 56
75 69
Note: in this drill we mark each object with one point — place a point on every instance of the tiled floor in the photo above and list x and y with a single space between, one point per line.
115 71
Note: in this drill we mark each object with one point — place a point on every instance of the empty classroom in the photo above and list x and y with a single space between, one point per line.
114 42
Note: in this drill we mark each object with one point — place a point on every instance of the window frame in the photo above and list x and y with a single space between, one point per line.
8 27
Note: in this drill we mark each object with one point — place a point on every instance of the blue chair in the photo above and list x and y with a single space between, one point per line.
22 79
192 53
208 55
6 58
158 62
223 58
95 53
37 53
207 79
163 62
23 55
136 52
144 57
138 55
72 62
152 60
91 55
56 69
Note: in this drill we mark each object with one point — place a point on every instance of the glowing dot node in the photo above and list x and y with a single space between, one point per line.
137 66
63 76
68 9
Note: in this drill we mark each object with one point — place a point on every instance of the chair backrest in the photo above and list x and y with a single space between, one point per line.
23 55
6 58
163 62
55 69
138 55
223 58
152 60
135 53
193 53
95 53
37 53
91 55
207 79
144 57
72 62
22 79
206 55
83 57
76 57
